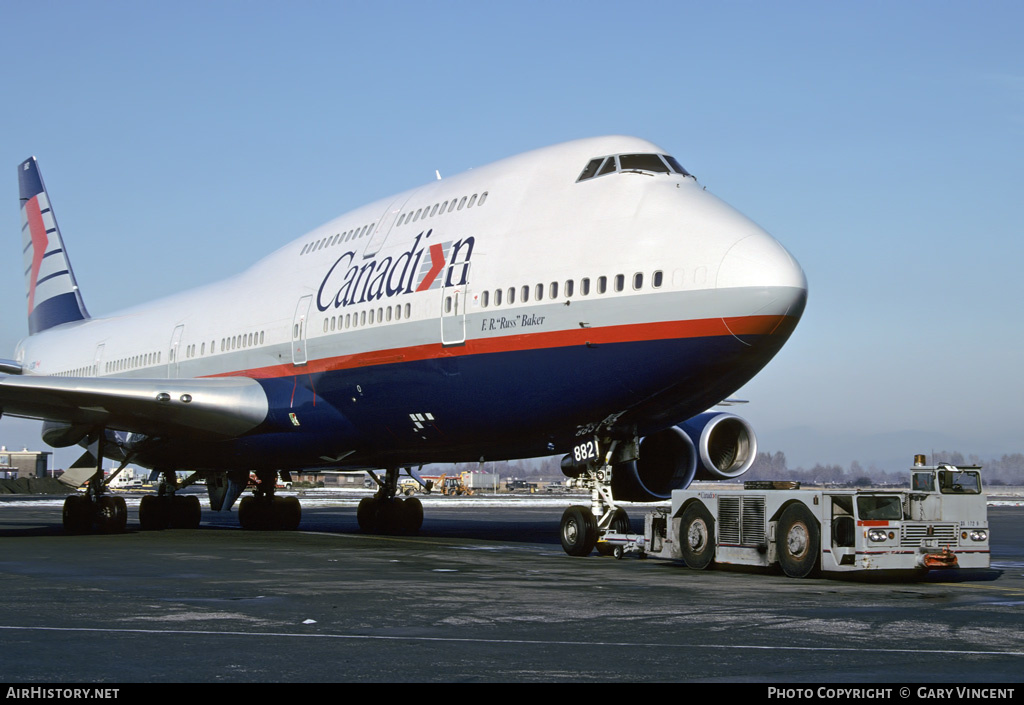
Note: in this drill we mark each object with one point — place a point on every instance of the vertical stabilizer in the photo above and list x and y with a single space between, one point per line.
53 295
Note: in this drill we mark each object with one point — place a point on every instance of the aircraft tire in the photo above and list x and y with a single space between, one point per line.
77 514
390 516
111 514
697 533
578 531
412 515
250 514
185 512
798 541
287 513
366 514
153 513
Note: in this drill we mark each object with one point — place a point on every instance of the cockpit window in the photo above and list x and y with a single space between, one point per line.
608 168
644 163
590 171
676 166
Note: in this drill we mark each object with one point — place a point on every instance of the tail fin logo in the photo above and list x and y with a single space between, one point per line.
39 241
51 291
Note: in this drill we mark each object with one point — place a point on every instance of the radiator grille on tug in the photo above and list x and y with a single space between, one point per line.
914 535
741 521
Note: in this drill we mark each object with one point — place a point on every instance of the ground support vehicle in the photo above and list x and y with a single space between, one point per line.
941 522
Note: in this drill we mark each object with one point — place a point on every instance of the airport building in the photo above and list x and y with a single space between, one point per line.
24 463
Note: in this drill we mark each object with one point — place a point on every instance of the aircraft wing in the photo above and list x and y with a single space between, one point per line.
220 407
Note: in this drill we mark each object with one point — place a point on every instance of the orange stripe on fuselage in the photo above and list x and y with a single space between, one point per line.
637 332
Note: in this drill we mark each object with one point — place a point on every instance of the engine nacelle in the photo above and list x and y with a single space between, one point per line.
710 446
667 461
58 434
726 443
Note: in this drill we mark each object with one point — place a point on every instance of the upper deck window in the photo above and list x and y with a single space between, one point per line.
643 163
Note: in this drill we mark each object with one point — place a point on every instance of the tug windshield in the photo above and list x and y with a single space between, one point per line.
877 507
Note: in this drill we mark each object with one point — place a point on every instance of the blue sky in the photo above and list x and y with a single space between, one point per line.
881 142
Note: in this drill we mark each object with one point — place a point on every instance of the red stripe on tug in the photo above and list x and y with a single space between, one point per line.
637 332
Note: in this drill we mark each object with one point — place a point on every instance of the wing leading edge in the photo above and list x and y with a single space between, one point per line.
224 407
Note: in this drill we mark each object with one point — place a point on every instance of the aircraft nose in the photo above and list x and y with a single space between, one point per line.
758 260
767 288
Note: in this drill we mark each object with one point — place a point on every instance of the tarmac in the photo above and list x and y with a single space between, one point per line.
484 593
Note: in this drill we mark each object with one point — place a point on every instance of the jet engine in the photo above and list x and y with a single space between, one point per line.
710 446
726 443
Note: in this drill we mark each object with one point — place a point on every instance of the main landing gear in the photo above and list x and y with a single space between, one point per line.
169 510
583 529
96 508
263 509
385 513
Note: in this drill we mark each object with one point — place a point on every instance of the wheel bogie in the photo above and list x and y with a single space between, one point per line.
108 514
269 513
397 515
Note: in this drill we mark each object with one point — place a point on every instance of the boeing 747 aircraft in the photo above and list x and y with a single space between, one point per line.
588 299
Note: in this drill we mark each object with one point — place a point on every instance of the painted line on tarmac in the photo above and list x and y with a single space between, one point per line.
517 642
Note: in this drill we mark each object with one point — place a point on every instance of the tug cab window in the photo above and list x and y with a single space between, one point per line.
957 481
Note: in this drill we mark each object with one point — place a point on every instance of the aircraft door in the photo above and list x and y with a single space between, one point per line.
98 360
454 300
300 330
172 355
383 227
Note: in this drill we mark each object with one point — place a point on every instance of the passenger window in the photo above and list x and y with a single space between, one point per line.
483 299
553 290
511 295
472 200
584 286
657 279
539 292
525 294
483 197
497 297
638 281
568 288
602 284
620 282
